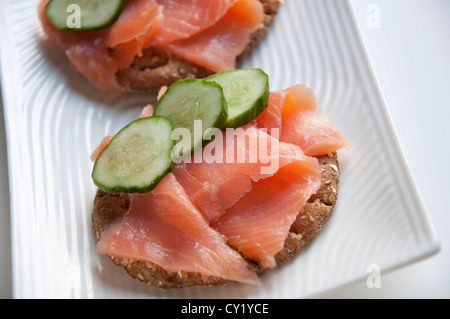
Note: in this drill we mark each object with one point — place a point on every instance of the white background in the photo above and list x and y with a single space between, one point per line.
410 52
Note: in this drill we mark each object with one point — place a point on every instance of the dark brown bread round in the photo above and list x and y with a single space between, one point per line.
310 220
157 68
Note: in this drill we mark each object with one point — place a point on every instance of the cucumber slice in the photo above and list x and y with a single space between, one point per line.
195 105
83 15
246 92
137 158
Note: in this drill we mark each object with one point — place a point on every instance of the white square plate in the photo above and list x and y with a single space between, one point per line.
54 119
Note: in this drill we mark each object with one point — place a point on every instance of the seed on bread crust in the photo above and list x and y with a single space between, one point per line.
310 220
157 68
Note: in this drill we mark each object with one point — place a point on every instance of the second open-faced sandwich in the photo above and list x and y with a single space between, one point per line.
142 45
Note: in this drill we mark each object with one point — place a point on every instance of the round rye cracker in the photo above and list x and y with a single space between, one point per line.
157 68
310 220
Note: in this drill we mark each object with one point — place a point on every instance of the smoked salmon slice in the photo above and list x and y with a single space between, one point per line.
216 184
164 228
183 19
258 224
229 36
138 23
294 111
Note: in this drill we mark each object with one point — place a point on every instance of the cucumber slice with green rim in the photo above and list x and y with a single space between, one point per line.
196 106
83 15
137 158
246 92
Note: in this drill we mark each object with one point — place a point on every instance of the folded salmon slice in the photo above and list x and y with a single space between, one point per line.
253 209
218 181
130 34
218 46
258 224
183 19
294 111
215 185
164 228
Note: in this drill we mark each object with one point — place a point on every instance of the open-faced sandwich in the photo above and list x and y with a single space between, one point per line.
142 45
218 182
